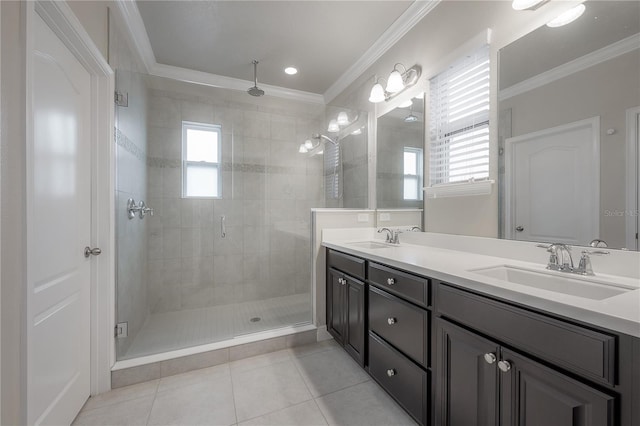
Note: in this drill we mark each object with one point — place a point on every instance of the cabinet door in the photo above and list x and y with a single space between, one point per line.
354 342
336 305
534 395
466 377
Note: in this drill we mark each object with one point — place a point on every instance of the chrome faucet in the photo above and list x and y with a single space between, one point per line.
560 259
393 236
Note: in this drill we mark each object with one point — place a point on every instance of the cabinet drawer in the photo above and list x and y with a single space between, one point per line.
589 353
411 287
405 381
403 325
348 264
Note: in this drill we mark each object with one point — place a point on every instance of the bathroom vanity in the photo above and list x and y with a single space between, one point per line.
455 350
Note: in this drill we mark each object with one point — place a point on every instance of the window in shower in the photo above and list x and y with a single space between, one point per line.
412 173
201 157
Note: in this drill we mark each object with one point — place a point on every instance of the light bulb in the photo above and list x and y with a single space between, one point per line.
303 149
395 83
525 4
333 126
567 17
343 118
308 144
377 93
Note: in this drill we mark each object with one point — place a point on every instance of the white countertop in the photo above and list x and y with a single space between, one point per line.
423 254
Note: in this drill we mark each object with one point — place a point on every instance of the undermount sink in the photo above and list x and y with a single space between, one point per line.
586 287
370 245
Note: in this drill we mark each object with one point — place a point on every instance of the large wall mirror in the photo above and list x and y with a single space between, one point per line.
569 105
400 156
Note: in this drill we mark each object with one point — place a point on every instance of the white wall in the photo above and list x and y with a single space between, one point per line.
13 209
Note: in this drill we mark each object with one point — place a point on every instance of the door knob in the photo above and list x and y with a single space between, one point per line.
490 358
88 251
519 228
391 372
391 321
504 366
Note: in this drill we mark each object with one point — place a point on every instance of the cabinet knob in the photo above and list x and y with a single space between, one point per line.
391 281
391 321
519 228
342 281
490 358
504 366
391 372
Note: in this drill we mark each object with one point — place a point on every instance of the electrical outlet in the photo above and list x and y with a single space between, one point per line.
385 217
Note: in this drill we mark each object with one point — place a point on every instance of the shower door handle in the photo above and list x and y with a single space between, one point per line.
223 227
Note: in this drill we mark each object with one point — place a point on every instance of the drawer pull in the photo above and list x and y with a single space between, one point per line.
391 372
391 281
391 321
490 358
504 366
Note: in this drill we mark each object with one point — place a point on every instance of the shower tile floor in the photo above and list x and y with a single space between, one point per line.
168 331
318 384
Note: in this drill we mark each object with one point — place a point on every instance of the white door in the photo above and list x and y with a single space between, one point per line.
553 189
58 223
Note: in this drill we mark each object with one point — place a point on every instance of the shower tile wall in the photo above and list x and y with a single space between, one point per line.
355 169
131 182
268 191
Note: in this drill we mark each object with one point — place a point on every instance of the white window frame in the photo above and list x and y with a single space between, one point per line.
190 125
475 185
419 152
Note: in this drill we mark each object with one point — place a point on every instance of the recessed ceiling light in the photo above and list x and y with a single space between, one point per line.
406 104
567 17
291 70
524 4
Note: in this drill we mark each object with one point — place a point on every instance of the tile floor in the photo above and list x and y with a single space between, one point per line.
167 331
317 384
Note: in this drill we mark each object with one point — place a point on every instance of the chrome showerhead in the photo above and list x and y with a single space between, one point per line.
255 90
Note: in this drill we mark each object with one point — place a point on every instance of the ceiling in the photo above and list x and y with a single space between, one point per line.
320 38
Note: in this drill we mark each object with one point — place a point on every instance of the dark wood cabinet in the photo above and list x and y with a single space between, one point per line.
346 312
466 378
454 356
478 382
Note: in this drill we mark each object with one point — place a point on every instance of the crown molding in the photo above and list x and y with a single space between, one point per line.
136 32
414 13
214 80
596 57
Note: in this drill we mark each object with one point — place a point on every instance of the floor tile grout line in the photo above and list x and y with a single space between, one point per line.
155 395
233 394
347 387
320 410
275 411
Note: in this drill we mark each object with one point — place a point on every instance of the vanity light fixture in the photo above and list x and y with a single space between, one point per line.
357 132
396 83
343 119
526 4
333 126
291 70
411 118
567 17
308 144
377 93
303 149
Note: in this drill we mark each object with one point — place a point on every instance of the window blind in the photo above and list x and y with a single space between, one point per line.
332 171
459 124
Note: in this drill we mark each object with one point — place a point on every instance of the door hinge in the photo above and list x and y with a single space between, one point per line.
121 99
122 330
